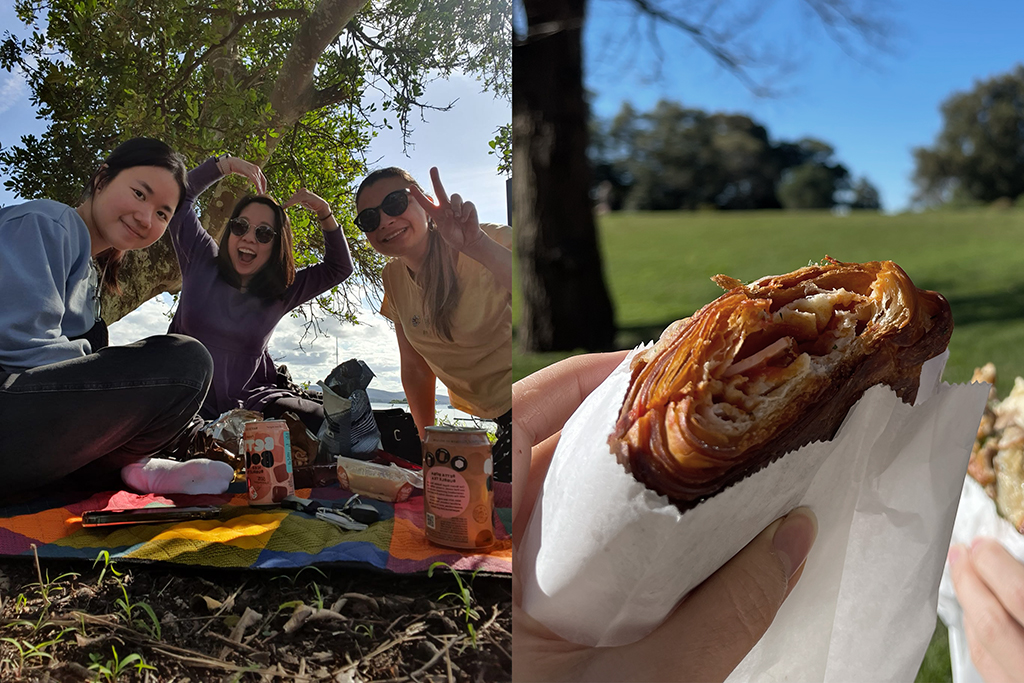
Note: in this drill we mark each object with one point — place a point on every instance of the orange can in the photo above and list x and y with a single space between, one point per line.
268 462
458 488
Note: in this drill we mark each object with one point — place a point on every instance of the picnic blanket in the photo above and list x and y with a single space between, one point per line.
245 537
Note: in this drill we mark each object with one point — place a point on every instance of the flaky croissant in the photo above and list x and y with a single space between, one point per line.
769 367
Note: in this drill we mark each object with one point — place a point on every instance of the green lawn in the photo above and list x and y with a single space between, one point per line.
658 266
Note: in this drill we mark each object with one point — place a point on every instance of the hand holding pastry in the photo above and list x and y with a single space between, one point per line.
740 599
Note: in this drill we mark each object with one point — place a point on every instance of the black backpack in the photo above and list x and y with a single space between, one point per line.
398 434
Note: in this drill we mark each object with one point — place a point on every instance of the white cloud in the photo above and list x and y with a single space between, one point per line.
308 360
145 321
311 359
13 88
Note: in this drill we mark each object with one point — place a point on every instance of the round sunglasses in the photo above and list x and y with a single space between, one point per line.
394 204
264 233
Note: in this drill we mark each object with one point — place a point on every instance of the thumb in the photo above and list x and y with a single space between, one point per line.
719 622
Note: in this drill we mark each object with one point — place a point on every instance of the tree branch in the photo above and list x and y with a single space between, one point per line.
240 21
335 94
294 83
718 52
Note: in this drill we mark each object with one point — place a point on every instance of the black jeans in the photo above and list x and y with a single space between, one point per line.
93 415
310 412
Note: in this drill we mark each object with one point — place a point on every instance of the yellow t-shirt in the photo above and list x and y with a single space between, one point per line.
477 366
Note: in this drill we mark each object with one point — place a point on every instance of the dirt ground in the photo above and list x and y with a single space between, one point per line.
64 621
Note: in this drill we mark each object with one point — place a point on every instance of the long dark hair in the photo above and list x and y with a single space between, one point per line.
277 275
134 152
438 279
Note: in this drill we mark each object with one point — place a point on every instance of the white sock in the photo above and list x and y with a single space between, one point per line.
159 475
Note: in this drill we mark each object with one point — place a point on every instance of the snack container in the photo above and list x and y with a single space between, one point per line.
268 462
458 488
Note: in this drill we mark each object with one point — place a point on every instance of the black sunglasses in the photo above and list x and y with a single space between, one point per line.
264 233
394 204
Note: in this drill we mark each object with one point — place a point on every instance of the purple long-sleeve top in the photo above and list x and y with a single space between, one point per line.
235 326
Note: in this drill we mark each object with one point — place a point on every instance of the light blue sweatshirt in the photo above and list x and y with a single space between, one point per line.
45 290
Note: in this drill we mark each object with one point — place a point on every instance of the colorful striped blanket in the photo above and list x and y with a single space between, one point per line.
244 537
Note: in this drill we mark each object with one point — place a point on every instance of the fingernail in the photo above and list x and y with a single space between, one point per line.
793 539
955 552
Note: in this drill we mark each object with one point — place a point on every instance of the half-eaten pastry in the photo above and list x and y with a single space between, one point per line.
769 367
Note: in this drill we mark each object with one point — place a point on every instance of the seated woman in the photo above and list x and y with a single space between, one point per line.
66 404
233 293
449 292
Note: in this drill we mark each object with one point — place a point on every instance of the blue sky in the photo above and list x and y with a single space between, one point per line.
873 109
455 141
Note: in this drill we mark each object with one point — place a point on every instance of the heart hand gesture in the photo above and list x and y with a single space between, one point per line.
309 200
246 169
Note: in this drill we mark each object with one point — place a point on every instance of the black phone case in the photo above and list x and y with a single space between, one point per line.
146 515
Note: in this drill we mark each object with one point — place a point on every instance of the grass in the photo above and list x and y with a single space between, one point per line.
658 268
150 623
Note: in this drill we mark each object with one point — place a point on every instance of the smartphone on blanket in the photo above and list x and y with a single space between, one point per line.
155 515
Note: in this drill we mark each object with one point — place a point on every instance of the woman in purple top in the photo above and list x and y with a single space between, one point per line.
234 293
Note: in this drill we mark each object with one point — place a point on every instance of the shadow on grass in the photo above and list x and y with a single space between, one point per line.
630 336
988 307
968 309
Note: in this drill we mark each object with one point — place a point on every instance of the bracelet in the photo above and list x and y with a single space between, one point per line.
329 214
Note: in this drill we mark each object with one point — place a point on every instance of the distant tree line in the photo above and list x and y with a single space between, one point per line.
978 156
674 157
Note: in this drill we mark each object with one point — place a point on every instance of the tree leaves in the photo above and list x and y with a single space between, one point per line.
977 157
215 77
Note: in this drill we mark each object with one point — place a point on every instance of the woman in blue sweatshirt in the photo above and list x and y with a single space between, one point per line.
66 404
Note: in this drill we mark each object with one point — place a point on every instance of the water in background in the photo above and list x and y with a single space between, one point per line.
445 415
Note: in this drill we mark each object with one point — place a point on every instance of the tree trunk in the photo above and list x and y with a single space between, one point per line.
565 304
147 273
144 274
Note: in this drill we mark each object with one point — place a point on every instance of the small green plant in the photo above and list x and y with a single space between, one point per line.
365 630
20 603
291 604
114 668
49 586
107 565
463 595
292 580
319 602
128 608
25 652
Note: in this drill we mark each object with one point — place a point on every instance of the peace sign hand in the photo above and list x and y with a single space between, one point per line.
456 220
246 169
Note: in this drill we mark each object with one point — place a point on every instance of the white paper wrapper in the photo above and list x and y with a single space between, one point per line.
977 516
604 560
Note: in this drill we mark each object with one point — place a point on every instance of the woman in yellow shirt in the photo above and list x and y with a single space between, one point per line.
448 289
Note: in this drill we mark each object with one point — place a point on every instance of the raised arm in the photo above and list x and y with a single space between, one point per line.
337 264
187 233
